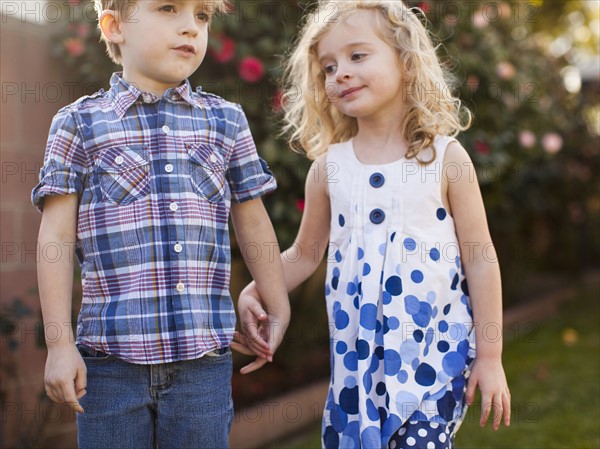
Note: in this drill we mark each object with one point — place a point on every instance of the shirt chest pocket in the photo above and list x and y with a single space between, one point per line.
123 174
207 172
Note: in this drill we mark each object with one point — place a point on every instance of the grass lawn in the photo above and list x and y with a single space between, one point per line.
553 368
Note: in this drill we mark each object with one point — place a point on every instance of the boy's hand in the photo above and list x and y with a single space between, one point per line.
66 376
489 375
257 330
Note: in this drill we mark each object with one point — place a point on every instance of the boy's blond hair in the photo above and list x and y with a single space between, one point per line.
126 8
313 123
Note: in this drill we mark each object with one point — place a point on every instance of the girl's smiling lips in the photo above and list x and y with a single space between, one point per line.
349 91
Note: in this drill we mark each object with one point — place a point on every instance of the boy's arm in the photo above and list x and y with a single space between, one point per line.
299 262
65 374
480 262
258 244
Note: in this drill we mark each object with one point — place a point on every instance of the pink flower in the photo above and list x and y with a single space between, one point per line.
423 6
74 46
481 147
300 205
251 69
505 70
225 50
552 142
83 30
277 102
479 19
527 139
473 83
74 2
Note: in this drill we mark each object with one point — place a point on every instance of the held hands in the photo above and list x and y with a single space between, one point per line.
66 375
489 375
262 332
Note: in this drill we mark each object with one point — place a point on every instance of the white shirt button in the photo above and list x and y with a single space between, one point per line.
147 97
119 160
178 248
166 129
213 158
180 287
169 168
174 206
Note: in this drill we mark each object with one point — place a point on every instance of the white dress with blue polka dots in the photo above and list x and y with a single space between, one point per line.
401 324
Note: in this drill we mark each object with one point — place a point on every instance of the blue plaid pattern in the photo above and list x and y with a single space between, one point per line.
155 178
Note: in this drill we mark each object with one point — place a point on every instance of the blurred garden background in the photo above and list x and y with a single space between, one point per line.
530 73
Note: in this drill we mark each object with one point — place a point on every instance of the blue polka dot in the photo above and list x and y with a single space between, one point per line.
338 256
393 323
380 389
425 375
351 361
390 426
443 326
341 319
334 282
411 304
362 348
453 363
441 213
370 437
392 362
372 412
379 353
338 418
431 297
409 349
349 400
341 347
417 276
406 402
331 439
350 382
368 316
355 302
386 298
434 254
410 244
402 376
443 346
351 288
393 236
342 220
418 335
447 309
423 317
366 269
361 253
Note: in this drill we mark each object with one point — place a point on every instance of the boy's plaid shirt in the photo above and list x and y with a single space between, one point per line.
155 179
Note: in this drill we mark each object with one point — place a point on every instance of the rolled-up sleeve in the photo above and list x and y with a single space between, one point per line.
64 168
248 175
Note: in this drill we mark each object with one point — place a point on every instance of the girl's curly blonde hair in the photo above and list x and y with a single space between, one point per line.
312 122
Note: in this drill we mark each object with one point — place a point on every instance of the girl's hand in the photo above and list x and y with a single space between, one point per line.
255 326
489 375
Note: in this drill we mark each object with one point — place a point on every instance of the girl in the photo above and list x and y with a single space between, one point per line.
398 200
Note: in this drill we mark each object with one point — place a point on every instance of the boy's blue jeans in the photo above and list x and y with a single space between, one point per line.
173 405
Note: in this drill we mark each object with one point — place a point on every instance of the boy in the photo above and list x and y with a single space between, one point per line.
139 181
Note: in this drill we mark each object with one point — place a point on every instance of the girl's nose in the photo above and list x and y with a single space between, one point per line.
342 74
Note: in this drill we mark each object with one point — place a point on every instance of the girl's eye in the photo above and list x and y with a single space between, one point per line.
329 69
167 8
357 56
203 17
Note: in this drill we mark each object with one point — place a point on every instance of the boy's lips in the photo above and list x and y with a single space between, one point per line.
186 49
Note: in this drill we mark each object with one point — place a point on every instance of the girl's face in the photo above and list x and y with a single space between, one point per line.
363 75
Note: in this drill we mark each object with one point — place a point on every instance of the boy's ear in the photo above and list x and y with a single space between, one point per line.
111 26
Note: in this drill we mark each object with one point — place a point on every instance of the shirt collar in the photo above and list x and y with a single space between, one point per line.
124 94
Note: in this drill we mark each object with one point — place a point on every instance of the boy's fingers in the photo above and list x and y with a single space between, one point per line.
70 397
506 402
259 312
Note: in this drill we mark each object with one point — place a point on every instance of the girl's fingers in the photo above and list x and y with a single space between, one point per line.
470 393
498 411
241 348
506 402
486 407
258 363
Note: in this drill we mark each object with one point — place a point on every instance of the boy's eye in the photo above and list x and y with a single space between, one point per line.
167 8
202 16
357 56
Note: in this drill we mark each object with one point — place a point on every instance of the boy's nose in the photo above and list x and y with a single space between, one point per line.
188 25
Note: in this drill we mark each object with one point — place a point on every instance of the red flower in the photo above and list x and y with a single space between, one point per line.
225 49
277 102
423 6
74 46
300 205
481 147
251 69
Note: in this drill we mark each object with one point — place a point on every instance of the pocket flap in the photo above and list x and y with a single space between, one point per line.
207 155
122 158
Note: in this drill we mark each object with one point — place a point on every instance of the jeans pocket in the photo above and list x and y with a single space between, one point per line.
123 174
218 355
91 355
